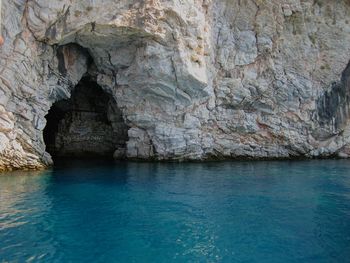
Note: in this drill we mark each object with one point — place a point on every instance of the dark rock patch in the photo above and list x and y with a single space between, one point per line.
333 107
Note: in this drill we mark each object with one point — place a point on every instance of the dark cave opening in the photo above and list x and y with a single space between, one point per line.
89 124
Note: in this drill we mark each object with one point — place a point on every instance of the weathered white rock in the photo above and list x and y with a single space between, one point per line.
194 79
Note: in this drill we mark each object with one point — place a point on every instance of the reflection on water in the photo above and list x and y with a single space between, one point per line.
192 212
20 187
24 204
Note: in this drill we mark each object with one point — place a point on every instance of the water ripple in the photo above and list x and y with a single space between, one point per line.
217 212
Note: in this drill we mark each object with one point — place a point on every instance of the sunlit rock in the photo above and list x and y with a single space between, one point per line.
188 80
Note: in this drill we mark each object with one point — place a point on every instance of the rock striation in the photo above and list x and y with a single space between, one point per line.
186 80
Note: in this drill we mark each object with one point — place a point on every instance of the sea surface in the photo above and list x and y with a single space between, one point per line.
87 211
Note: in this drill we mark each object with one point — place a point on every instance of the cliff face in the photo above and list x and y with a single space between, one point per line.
192 79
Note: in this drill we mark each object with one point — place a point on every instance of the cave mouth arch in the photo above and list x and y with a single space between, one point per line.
89 124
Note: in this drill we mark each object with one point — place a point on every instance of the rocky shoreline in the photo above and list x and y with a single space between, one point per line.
185 80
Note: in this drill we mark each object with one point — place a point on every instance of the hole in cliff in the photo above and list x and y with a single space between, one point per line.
89 124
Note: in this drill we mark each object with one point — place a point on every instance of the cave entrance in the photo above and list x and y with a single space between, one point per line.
89 124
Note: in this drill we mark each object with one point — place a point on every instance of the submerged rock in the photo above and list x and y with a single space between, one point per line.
186 80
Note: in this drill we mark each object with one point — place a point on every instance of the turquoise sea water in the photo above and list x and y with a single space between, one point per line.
297 211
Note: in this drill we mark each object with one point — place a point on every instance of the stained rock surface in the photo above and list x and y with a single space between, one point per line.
186 80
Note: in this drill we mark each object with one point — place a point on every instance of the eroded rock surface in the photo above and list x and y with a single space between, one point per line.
192 79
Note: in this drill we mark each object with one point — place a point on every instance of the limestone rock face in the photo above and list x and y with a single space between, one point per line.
192 80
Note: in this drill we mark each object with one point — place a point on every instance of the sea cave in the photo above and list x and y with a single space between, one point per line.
89 124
